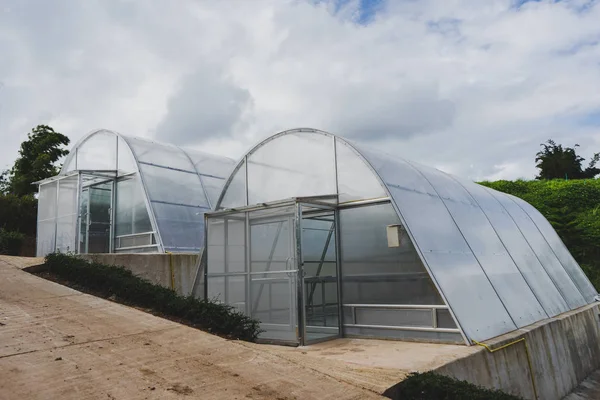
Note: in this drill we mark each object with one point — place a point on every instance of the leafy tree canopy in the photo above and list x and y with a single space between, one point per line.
556 162
37 160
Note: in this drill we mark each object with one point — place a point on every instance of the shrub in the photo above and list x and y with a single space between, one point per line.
432 386
18 213
11 242
107 281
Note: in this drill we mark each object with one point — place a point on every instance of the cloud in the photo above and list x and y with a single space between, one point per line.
205 106
469 86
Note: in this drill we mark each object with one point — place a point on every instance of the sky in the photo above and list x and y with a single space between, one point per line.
468 86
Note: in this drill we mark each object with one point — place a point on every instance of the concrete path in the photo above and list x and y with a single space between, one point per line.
56 342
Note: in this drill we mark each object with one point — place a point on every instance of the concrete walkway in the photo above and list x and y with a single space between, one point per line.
56 342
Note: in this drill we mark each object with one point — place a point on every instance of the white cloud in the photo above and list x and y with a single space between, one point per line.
469 86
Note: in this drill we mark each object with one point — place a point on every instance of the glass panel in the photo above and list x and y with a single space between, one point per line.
513 240
390 317
292 165
559 248
131 215
213 187
542 251
372 272
356 181
83 220
47 201
489 251
171 186
99 219
319 264
215 251
125 161
235 195
209 164
98 152
159 154
444 249
66 223
45 237
181 227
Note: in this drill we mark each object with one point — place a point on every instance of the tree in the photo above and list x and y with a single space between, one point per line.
37 160
556 162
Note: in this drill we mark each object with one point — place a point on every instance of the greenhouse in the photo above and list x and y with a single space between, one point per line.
319 238
121 194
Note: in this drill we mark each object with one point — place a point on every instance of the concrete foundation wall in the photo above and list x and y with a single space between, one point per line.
563 350
174 271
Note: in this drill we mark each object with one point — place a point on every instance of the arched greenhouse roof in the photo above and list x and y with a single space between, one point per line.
496 261
179 184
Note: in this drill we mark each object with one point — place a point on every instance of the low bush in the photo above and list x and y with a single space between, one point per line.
432 386
11 242
112 281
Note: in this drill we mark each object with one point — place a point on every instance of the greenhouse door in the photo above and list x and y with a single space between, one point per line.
319 270
96 218
279 265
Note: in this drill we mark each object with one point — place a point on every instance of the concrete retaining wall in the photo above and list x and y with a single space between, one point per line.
175 271
564 350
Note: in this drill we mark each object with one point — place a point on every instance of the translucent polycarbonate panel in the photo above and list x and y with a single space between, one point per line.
292 165
172 186
131 214
521 254
210 164
46 228
271 245
236 245
70 163
377 333
543 251
125 160
212 187
356 181
562 253
235 192
46 231
159 154
181 228
47 201
372 272
448 257
98 152
215 246
474 226
66 222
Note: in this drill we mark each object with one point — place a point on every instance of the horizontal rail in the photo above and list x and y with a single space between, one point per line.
398 306
134 234
145 246
405 328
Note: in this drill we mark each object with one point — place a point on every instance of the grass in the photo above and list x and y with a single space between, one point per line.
432 386
119 284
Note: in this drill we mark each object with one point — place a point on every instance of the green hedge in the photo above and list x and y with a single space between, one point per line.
573 209
11 242
431 386
108 281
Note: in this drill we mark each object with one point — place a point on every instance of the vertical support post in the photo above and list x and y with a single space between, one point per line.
111 221
300 282
338 270
246 185
247 243
434 319
76 248
56 215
